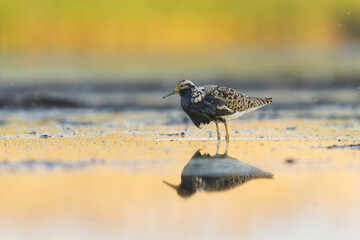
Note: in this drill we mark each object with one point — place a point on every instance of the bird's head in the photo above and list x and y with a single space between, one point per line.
182 190
182 85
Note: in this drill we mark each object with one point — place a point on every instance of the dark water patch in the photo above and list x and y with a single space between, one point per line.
182 134
141 96
32 165
327 117
27 101
169 134
73 123
45 136
351 146
46 101
84 101
348 146
55 166
289 161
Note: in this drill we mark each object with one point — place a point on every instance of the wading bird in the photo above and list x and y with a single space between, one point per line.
212 103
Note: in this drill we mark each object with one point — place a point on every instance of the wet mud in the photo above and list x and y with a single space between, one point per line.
96 163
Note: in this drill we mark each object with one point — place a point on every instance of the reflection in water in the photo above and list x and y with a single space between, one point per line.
215 173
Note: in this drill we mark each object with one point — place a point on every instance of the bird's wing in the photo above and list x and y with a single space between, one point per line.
221 107
208 109
235 100
212 96
209 89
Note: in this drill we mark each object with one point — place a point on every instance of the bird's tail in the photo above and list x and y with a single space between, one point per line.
267 101
256 102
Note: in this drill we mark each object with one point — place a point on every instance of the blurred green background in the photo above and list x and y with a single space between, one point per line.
273 42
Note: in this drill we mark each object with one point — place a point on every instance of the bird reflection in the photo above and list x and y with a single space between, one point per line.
215 173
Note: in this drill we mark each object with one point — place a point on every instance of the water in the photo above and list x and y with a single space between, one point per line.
290 170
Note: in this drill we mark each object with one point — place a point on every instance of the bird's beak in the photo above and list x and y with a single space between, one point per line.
174 92
171 185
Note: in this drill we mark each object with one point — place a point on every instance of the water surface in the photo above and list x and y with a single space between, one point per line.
290 171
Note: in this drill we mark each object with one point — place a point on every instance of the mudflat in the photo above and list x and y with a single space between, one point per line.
94 163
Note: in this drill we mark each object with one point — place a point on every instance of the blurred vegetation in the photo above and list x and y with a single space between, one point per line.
163 27
267 42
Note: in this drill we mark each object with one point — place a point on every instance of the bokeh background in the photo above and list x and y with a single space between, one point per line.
86 140
260 43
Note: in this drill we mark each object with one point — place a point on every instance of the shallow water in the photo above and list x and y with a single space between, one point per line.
292 171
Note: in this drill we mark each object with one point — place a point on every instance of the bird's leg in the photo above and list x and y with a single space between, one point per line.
217 130
227 147
227 131
218 147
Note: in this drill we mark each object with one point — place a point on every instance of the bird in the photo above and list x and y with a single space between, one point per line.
214 103
216 173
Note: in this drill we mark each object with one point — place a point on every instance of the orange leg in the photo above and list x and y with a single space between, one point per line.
217 130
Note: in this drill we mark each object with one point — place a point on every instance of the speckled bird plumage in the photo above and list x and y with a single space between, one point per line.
213 103
235 100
